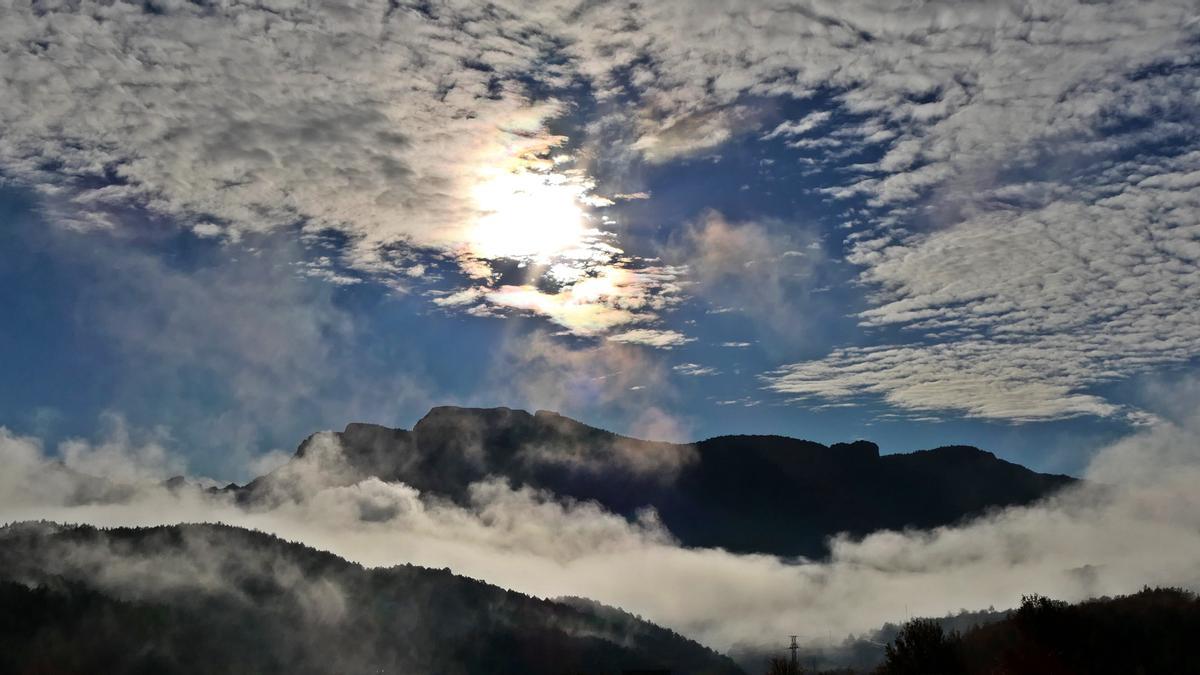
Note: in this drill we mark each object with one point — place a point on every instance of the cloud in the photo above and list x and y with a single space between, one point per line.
267 462
277 138
959 95
399 132
582 316
790 128
594 301
981 182
1021 311
663 339
622 384
118 458
745 402
414 133
667 137
694 369
231 347
765 269
113 470
980 380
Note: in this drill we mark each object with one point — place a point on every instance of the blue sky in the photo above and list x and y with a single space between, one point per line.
226 228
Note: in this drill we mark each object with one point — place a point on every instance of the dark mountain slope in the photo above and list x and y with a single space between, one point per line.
744 493
217 599
785 496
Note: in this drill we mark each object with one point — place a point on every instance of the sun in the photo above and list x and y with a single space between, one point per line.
528 212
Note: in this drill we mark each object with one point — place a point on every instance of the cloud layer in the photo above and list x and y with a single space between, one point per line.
1019 178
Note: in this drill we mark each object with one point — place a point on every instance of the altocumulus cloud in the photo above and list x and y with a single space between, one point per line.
390 126
1033 236
1022 310
979 232
654 337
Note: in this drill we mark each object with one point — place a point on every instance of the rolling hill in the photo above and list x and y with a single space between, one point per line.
219 599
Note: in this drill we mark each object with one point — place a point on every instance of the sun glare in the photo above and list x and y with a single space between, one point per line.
529 213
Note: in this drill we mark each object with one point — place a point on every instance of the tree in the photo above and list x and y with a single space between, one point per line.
923 648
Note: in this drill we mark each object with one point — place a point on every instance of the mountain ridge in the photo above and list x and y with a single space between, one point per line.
211 598
745 493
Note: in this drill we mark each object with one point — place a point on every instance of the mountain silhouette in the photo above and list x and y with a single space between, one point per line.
220 599
766 494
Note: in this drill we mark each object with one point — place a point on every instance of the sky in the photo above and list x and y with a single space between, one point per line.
226 226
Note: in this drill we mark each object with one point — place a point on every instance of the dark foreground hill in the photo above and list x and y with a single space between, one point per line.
1149 633
767 494
218 599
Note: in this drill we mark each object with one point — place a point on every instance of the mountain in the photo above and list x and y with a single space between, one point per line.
769 494
219 599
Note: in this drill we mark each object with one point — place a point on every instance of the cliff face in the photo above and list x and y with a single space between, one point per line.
769 494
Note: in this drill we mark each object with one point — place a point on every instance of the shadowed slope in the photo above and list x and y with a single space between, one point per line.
218 599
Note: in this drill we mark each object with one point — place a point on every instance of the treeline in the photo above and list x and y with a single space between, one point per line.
1147 633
